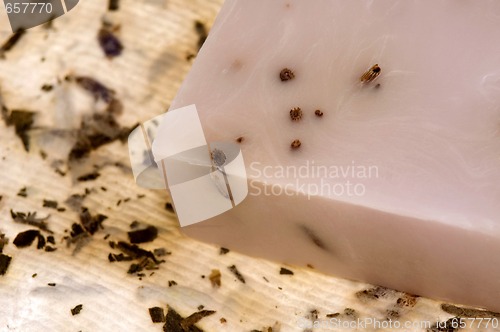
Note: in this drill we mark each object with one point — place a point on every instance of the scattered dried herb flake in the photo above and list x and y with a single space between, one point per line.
157 314
215 278
89 176
22 121
109 42
202 33
236 273
147 234
11 42
76 310
50 204
26 238
286 271
173 323
4 263
22 192
113 5
192 319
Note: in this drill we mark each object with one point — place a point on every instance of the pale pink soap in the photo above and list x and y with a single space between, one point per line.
398 183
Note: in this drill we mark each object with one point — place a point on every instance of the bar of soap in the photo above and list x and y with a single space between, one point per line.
398 182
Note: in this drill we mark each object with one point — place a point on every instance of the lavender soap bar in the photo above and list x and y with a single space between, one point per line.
370 134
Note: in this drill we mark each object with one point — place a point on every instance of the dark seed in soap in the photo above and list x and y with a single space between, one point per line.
371 74
296 113
286 74
318 113
296 144
286 271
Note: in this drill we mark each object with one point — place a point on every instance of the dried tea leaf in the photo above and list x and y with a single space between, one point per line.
25 239
31 219
76 310
95 88
147 234
236 273
50 204
157 314
109 42
22 122
89 176
202 33
22 192
286 271
195 318
91 223
11 42
4 263
113 5
215 278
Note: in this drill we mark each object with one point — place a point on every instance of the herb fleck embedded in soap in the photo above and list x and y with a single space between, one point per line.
296 144
371 74
223 251
286 75
296 113
240 139
407 300
318 113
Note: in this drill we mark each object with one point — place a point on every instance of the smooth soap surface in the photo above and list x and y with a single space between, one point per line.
428 221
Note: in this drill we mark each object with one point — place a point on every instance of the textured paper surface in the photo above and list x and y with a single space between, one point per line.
157 36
